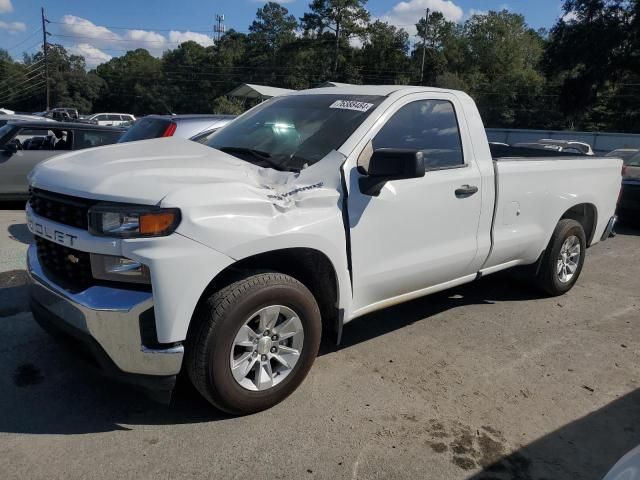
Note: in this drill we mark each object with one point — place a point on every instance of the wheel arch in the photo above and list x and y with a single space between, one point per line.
586 214
309 266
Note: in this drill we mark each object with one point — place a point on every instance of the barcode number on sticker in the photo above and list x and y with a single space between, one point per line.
351 105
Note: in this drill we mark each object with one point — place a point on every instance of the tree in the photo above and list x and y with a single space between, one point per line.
593 53
384 54
190 83
271 31
16 81
69 82
345 18
501 65
441 46
273 27
133 83
227 106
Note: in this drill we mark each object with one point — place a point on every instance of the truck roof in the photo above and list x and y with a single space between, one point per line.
380 90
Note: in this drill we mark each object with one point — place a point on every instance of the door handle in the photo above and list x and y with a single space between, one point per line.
466 191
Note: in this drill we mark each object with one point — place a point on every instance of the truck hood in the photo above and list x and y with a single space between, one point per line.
140 172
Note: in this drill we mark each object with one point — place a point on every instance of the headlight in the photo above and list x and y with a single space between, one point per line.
132 221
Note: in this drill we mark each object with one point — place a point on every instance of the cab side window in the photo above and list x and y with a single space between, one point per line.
90 139
429 126
44 139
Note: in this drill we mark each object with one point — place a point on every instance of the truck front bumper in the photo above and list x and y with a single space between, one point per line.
104 324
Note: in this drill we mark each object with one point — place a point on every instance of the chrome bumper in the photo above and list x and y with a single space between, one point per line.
110 316
608 232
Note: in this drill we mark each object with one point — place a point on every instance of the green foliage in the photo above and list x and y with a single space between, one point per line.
227 106
594 57
584 73
345 18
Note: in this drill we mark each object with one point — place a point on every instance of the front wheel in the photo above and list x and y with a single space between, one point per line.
563 260
254 342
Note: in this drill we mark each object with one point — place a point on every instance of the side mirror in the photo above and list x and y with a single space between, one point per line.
11 148
388 164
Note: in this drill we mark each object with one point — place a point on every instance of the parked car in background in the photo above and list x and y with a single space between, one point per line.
624 153
25 144
204 137
61 114
629 203
4 119
111 119
560 146
183 126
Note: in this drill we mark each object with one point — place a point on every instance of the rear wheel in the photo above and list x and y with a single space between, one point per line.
254 342
563 260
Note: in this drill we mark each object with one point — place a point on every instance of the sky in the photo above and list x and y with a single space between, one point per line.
100 30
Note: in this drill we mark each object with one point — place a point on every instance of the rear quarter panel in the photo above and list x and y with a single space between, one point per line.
534 194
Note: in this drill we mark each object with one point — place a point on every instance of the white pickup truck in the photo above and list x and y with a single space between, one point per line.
227 261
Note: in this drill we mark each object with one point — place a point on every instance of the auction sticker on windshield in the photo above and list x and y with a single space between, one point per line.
351 105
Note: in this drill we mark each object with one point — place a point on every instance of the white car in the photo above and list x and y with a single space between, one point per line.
111 119
627 468
229 260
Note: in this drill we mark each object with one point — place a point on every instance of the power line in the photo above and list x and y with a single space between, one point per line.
21 95
31 35
39 74
27 72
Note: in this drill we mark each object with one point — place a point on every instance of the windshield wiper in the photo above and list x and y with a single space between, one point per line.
259 155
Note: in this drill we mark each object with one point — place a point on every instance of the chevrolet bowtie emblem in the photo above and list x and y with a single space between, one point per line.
72 258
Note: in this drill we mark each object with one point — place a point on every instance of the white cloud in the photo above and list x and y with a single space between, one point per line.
145 36
99 38
180 37
407 14
92 55
72 25
12 27
5 6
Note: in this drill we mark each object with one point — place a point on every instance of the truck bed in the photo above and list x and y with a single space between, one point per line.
501 152
534 189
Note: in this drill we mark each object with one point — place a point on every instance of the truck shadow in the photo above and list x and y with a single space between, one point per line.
500 287
13 205
593 444
20 232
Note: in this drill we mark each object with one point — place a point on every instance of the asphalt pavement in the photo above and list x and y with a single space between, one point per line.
489 380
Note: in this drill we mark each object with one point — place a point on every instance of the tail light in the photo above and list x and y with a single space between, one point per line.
624 170
170 130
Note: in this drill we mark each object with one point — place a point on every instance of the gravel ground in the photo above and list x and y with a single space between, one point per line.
486 381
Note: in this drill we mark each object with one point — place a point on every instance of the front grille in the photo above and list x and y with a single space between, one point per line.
69 267
72 211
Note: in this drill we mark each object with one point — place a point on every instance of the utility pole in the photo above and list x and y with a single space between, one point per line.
219 28
424 44
44 50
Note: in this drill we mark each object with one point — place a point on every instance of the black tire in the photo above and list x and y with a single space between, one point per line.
219 319
547 278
